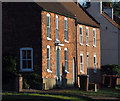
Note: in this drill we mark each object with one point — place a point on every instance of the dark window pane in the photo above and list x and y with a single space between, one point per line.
86 32
66 65
24 54
66 35
66 24
57 36
93 33
80 30
29 64
56 23
29 54
94 60
66 55
81 59
24 63
47 52
48 64
48 18
48 32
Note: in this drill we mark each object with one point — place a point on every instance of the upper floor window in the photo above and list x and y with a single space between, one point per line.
48 26
94 37
81 35
66 60
95 65
26 59
87 36
81 62
66 29
57 34
48 58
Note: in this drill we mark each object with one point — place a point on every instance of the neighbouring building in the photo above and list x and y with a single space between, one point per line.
57 40
109 32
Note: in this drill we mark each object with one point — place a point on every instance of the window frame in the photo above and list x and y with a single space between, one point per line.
49 67
57 27
87 37
81 35
66 29
66 60
81 69
48 26
94 37
21 59
95 63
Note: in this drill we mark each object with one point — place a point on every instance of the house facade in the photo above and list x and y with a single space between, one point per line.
109 30
53 40
59 49
89 52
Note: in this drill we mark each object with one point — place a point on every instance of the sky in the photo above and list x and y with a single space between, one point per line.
81 1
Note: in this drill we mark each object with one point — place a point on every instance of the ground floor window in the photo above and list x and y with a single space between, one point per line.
95 67
26 59
66 60
48 58
81 62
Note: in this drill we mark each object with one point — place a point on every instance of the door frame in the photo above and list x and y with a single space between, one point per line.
58 83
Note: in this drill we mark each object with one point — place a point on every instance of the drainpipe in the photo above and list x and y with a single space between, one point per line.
76 69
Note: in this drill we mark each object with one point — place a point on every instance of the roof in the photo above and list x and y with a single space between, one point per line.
111 21
70 9
116 19
56 7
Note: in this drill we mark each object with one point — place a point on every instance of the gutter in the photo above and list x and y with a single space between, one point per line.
89 25
58 13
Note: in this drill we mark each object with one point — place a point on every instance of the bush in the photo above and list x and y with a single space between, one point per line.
32 80
9 70
25 84
111 69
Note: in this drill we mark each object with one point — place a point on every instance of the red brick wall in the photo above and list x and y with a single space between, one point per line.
90 50
71 45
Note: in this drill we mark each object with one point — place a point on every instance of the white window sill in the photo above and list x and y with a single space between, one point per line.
57 40
49 71
66 71
49 38
66 41
61 44
87 45
82 44
94 45
26 70
82 72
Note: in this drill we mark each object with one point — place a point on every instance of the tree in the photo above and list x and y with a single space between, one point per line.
116 7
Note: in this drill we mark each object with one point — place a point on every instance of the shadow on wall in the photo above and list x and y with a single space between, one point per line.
64 80
94 75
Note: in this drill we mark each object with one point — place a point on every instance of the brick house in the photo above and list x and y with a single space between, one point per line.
53 40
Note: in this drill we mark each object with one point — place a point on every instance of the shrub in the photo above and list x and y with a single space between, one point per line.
9 70
33 80
111 69
25 84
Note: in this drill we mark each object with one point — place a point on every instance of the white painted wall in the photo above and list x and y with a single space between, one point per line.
108 34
